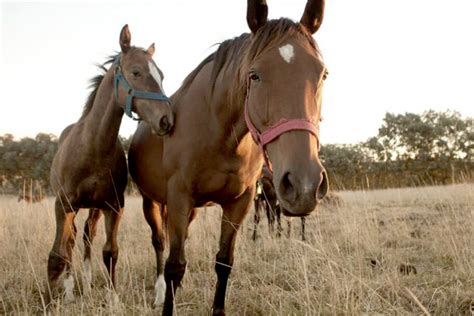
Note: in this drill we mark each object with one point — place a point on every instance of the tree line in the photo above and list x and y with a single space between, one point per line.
409 150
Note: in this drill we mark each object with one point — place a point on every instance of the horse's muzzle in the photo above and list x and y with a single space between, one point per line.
161 120
299 195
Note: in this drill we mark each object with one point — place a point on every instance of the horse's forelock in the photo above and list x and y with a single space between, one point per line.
270 35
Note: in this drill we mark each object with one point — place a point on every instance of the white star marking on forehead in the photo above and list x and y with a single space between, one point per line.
287 52
155 74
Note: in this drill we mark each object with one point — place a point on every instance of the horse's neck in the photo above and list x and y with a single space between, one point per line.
228 112
104 119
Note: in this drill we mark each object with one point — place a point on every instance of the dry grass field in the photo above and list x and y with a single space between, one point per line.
400 251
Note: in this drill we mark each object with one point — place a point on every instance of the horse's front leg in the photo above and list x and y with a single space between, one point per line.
110 250
154 216
232 219
180 206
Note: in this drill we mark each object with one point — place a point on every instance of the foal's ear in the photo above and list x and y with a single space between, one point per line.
125 39
313 15
151 49
257 12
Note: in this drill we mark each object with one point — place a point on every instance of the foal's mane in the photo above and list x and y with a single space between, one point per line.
242 50
94 84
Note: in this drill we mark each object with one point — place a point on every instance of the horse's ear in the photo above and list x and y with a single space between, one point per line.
313 15
125 39
151 49
257 12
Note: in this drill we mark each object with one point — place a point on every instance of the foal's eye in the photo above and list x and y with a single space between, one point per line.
136 74
254 76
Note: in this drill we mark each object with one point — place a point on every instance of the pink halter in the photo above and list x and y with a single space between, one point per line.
281 127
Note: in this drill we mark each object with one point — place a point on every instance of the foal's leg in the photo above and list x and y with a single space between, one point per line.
232 219
256 217
110 250
60 256
90 230
179 213
154 218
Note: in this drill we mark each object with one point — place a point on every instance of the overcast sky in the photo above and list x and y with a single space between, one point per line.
382 55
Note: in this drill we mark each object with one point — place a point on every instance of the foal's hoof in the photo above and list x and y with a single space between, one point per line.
68 284
160 290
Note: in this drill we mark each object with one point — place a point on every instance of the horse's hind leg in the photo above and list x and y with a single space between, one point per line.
232 219
110 250
270 216
278 218
303 223
288 227
154 217
90 230
60 256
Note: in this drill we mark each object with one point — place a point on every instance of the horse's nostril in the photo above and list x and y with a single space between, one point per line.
287 189
323 186
164 123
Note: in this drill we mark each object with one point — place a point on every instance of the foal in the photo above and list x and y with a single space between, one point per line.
90 169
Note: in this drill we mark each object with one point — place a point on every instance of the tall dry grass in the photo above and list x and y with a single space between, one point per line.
401 251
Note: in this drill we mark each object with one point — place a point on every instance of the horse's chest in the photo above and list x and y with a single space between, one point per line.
219 187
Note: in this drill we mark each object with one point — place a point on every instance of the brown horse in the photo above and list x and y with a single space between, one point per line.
264 86
90 169
31 198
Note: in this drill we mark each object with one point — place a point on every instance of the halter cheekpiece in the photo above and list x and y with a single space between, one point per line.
132 93
274 131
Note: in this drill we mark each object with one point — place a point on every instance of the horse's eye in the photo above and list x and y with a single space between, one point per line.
254 76
136 74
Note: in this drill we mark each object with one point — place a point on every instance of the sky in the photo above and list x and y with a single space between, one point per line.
382 55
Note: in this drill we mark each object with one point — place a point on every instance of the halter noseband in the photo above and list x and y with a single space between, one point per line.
132 93
274 131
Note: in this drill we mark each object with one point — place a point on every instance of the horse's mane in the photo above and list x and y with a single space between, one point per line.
243 49
95 83
226 52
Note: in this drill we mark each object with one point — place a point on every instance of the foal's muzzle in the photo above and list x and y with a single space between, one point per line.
159 117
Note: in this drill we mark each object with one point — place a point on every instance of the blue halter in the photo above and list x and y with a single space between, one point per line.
132 93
